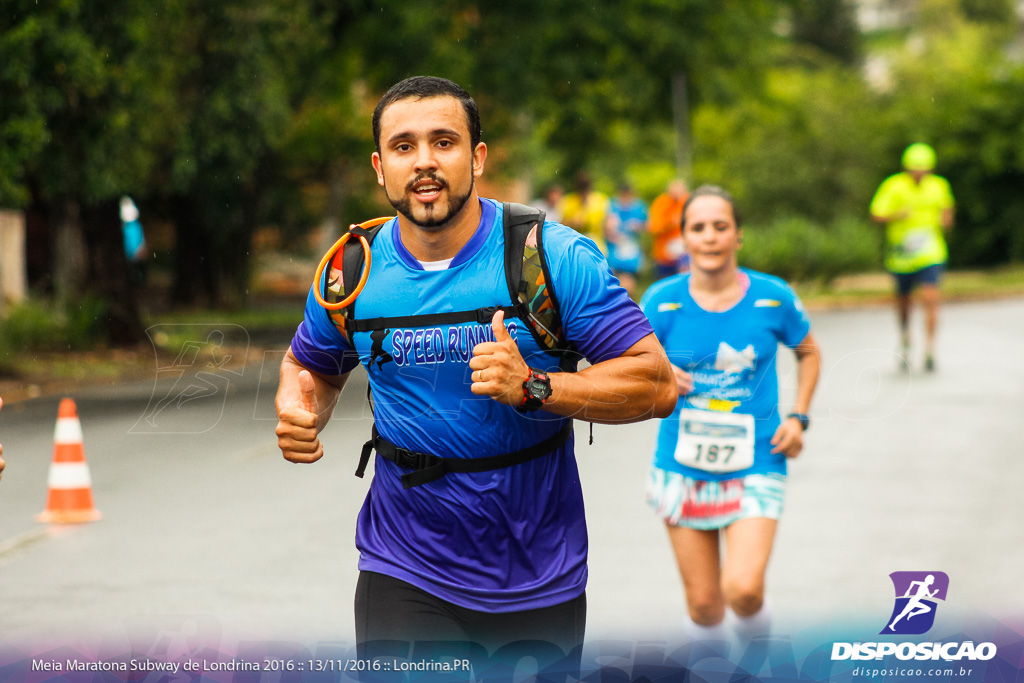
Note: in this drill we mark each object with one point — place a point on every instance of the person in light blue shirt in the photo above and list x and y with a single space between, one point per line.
627 220
492 556
135 249
719 468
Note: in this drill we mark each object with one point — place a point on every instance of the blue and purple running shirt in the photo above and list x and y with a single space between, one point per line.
506 540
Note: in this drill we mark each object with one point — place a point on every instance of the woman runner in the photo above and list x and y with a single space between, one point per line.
719 469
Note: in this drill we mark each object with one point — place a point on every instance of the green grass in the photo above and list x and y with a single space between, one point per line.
179 328
249 318
73 368
875 287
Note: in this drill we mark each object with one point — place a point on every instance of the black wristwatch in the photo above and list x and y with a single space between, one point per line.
536 390
805 421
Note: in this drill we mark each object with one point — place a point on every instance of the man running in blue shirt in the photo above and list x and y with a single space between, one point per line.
497 556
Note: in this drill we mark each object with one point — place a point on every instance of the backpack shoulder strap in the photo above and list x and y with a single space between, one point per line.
528 278
346 269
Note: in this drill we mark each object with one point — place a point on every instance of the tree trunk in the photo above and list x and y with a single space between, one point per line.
681 123
234 255
69 255
195 280
13 281
332 226
109 275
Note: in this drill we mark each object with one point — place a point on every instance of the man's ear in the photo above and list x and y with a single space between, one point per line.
479 157
378 166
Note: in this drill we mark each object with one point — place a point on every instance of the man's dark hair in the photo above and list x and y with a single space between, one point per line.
421 87
712 191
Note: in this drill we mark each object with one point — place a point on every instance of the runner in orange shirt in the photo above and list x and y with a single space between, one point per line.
666 215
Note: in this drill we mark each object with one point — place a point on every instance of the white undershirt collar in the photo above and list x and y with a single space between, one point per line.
436 265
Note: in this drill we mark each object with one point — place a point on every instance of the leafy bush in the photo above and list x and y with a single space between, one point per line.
31 325
812 145
35 326
85 322
796 249
818 138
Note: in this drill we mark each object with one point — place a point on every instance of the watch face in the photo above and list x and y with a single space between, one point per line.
538 388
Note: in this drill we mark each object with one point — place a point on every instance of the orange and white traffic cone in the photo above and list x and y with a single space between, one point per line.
70 497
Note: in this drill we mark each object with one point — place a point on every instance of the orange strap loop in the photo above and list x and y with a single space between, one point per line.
329 256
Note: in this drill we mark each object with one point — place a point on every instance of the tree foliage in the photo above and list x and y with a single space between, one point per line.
243 69
181 103
817 140
829 26
961 92
80 121
223 117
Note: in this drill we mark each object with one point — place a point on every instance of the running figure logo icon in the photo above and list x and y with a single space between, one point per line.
916 596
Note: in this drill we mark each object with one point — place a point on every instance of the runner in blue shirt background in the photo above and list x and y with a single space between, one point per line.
627 220
719 468
495 556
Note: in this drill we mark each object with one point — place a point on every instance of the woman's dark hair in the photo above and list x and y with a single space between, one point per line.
712 191
422 87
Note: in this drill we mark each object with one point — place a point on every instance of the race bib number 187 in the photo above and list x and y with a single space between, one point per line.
714 441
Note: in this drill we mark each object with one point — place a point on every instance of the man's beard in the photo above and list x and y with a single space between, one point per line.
455 202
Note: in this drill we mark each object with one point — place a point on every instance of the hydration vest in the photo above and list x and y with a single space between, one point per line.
531 299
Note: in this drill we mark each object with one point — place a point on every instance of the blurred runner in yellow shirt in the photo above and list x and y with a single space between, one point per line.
586 210
916 206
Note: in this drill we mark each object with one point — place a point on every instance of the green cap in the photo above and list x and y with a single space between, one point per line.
919 157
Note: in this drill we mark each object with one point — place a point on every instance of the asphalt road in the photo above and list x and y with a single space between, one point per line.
208 533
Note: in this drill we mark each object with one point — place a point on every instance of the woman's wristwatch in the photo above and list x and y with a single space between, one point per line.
804 420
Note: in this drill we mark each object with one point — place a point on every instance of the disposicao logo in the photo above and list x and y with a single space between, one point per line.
916 596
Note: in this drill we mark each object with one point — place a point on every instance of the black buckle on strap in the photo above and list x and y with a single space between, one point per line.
413 460
427 467
484 315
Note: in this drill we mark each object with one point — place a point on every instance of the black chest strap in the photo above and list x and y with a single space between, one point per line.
427 467
478 315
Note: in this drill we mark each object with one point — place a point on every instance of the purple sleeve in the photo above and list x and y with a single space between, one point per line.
600 319
319 345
